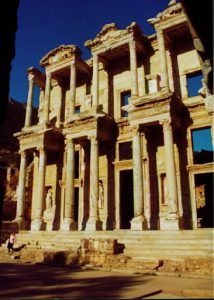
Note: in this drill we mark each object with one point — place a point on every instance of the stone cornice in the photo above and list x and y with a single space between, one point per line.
170 12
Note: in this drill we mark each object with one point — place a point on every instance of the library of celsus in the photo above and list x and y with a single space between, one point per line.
118 137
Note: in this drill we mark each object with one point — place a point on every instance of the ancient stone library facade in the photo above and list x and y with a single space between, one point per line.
118 143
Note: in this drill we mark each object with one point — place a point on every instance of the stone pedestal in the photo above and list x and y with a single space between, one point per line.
138 223
37 225
21 223
93 224
169 223
48 218
68 224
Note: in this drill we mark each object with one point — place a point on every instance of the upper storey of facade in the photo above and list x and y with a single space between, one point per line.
126 69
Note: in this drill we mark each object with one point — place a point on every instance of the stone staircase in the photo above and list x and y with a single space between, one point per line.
172 251
168 251
171 244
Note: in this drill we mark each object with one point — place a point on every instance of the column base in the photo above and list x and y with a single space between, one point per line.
169 223
138 223
49 226
37 225
93 224
21 223
68 224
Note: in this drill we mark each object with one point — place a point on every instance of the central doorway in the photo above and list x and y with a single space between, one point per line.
126 198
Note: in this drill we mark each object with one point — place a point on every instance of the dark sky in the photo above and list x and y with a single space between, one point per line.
46 24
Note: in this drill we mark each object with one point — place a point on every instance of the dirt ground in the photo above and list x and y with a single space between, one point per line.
37 281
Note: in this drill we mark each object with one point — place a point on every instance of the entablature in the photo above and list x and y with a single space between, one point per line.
37 76
50 139
100 125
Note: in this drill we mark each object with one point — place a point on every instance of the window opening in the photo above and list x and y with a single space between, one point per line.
202 145
124 100
194 83
125 150
76 164
77 109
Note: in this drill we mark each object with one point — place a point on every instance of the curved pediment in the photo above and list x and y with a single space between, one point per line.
110 34
60 53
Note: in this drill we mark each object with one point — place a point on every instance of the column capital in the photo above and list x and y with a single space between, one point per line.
95 56
23 153
31 77
159 31
93 139
135 130
69 143
73 63
41 149
132 43
166 123
35 153
48 74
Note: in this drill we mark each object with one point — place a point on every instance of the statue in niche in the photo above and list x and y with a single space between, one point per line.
49 212
49 200
101 194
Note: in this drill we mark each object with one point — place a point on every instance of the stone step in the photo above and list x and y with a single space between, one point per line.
128 240
164 243
122 233
168 246
139 253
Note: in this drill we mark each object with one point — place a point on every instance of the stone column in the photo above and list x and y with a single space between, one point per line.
69 223
94 222
138 222
72 87
28 116
21 190
133 67
37 222
47 97
172 218
163 61
95 82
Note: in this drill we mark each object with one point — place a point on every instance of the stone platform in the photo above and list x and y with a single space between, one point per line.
142 251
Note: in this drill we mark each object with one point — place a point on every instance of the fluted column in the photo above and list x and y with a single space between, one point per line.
171 175
133 67
95 82
72 87
93 222
138 222
69 221
37 222
47 97
28 116
163 61
21 189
